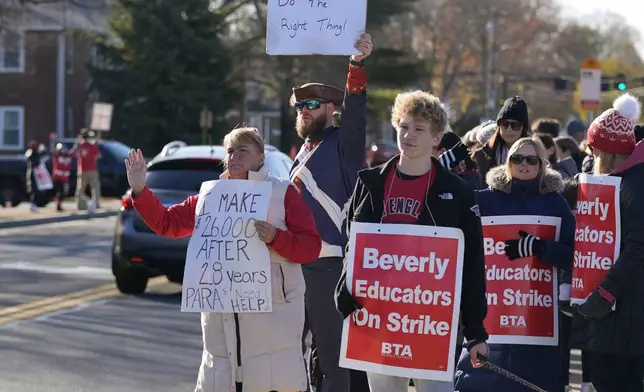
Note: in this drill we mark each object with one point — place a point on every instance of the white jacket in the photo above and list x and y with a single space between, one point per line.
261 350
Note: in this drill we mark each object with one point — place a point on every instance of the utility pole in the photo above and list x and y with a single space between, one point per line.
490 28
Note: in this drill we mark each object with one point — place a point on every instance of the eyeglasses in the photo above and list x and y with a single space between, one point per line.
310 104
515 125
531 160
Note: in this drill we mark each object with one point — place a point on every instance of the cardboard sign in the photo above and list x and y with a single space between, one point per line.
228 268
522 305
302 27
43 179
597 234
408 279
101 116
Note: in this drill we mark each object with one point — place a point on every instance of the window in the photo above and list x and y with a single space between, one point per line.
182 174
276 166
12 51
11 128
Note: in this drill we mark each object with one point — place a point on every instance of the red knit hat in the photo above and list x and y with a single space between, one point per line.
612 132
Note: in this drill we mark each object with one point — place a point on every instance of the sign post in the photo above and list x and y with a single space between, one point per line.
205 122
590 86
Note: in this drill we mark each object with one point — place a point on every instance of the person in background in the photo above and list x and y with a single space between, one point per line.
526 185
588 162
454 155
420 120
610 322
485 132
567 148
325 172
566 311
639 132
62 166
469 139
576 130
547 126
35 154
512 123
87 156
268 346
566 167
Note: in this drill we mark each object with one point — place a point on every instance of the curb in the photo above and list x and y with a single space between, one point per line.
11 224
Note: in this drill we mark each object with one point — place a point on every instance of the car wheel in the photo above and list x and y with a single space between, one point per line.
175 278
131 281
10 193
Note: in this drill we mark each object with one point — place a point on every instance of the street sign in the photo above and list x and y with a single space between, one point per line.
101 116
590 85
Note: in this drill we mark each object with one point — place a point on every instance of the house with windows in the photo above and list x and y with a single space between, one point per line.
44 52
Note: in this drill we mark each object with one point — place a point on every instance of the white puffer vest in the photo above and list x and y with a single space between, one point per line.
261 350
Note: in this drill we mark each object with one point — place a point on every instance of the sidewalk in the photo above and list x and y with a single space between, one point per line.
21 216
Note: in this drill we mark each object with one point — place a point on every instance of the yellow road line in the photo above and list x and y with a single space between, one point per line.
54 299
70 301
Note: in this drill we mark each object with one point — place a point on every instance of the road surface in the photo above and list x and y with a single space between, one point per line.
65 328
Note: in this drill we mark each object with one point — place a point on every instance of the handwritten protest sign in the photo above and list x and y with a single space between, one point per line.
597 234
327 27
408 279
521 300
227 265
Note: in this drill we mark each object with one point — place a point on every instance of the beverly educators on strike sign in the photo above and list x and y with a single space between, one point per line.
267 346
615 339
524 186
413 188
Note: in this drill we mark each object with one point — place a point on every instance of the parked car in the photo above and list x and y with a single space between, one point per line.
176 173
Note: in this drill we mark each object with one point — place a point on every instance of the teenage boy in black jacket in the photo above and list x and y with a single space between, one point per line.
445 199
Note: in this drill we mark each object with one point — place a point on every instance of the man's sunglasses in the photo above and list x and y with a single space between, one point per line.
310 104
531 160
515 125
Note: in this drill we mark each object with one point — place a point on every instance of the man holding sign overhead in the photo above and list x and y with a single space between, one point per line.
325 171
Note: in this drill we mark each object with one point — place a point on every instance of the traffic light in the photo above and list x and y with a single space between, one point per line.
620 82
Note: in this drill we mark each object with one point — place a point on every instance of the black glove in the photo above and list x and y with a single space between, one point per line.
595 307
566 308
527 246
451 158
346 303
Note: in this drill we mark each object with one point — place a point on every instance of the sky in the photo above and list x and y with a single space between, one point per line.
633 10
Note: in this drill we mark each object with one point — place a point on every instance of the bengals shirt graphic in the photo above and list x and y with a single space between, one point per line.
405 196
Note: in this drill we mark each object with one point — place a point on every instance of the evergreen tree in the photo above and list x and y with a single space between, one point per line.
164 63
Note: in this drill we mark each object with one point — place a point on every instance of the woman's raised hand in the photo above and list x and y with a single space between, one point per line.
136 171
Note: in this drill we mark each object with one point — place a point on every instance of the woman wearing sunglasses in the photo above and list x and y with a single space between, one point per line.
251 352
524 186
511 125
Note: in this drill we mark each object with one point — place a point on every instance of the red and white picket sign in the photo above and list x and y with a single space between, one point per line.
43 179
408 279
522 293
597 234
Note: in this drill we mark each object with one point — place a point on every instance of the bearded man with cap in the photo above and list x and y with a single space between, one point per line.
325 171
614 339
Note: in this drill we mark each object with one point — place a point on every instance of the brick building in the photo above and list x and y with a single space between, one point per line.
44 52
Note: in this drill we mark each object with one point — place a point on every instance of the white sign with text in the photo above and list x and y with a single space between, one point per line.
326 27
228 268
101 116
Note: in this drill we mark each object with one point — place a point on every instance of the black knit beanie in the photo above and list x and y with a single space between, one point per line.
516 109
